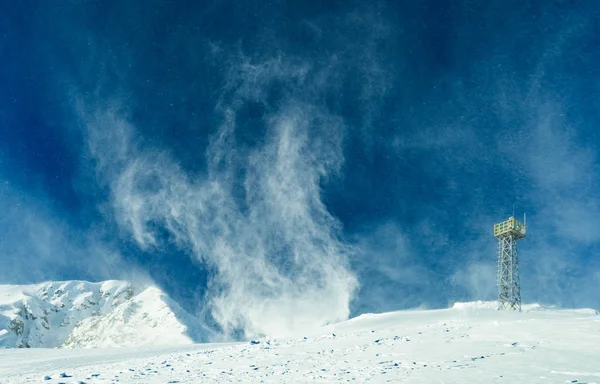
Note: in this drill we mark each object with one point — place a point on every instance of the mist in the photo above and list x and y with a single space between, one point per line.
256 219
38 244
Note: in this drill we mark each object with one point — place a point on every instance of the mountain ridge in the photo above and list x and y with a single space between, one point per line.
82 314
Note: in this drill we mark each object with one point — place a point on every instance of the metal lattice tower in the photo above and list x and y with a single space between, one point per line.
509 286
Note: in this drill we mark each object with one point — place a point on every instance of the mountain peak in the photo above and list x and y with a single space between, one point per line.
81 314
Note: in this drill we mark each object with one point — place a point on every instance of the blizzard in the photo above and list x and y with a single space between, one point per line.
468 343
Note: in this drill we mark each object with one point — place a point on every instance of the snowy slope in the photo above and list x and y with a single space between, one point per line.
470 343
84 314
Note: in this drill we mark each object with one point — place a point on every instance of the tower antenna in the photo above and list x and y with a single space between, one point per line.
509 285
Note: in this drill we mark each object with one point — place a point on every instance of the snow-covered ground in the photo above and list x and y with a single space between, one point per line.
470 343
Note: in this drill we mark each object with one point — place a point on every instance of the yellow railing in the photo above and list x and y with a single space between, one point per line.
509 225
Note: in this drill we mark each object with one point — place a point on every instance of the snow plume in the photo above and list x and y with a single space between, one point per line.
256 218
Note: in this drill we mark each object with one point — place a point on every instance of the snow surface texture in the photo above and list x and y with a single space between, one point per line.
81 314
469 343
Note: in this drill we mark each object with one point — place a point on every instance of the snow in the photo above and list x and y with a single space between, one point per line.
469 343
81 314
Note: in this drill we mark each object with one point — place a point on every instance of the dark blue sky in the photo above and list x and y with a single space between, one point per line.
282 151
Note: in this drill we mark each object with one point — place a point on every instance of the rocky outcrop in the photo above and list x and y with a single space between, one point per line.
81 314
